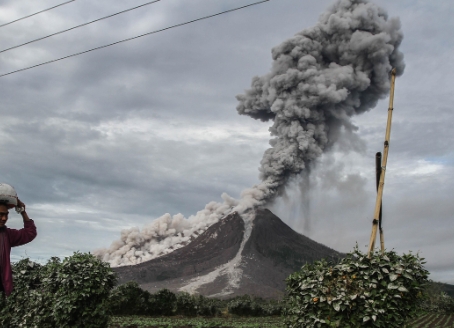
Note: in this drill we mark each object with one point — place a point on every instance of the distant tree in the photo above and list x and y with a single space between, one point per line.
129 299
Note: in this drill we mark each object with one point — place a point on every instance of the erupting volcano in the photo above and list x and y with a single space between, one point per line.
319 79
210 264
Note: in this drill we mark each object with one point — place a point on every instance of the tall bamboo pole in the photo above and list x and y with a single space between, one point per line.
377 182
380 218
381 184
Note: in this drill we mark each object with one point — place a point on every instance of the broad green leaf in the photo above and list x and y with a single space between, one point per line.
393 276
403 289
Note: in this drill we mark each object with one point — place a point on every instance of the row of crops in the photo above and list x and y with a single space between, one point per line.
434 320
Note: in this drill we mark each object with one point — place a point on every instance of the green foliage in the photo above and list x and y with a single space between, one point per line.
435 300
195 322
186 305
272 308
197 305
26 305
163 303
129 299
257 307
244 306
358 292
72 293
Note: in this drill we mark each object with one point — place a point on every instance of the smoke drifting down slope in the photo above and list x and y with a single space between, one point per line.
319 79
271 254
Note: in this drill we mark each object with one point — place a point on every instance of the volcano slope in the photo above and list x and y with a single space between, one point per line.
272 252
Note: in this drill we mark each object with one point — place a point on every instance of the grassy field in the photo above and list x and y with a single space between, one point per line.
433 321
200 322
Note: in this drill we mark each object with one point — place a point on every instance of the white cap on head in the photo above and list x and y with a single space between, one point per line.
8 194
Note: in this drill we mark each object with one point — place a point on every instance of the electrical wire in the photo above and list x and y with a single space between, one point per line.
39 12
135 37
84 24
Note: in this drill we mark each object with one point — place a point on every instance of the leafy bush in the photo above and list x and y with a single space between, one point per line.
196 305
186 305
129 299
435 300
244 306
208 306
272 308
249 306
163 303
26 305
358 292
72 293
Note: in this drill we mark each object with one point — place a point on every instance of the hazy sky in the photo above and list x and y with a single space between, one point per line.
115 138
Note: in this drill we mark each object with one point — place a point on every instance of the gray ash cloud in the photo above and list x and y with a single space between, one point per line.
319 79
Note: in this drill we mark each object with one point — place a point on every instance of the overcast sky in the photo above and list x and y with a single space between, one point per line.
115 138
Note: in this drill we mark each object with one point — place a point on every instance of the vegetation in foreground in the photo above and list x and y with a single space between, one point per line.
69 293
435 320
130 299
380 291
79 292
197 322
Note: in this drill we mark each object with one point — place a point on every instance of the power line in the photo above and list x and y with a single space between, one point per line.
136 37
39 12
84 24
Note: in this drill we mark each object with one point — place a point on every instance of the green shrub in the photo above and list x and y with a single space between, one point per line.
26 306
207 306
72 293
186 305
196 305
358 292
163 303
435 300
272 308
242 306
129 299
249 306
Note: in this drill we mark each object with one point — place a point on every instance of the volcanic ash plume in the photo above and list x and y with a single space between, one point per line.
319 79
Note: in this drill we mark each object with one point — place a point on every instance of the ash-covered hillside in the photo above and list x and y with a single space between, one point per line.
217 263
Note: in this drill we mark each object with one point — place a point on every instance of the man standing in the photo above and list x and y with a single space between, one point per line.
11 238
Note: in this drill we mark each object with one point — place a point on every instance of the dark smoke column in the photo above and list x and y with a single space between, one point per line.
319 79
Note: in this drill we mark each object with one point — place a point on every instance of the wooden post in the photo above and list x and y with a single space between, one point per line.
380 219
381 183
377 181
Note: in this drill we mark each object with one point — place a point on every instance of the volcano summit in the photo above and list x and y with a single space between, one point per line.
213 264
